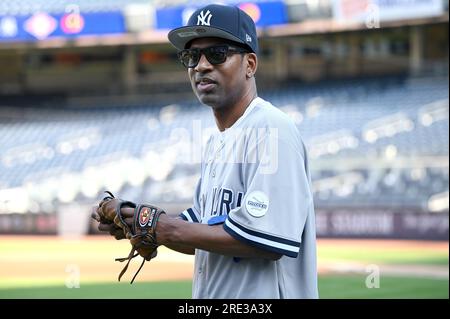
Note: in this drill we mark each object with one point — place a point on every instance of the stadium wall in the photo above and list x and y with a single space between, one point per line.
353 222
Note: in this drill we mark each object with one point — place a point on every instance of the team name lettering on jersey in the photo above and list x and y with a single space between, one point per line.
224 200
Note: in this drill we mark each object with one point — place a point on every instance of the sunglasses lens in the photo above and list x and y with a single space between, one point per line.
189 58
216 55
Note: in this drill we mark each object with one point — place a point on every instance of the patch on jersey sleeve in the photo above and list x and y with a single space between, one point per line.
257 204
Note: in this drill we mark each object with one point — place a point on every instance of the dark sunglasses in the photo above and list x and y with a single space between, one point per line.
215 55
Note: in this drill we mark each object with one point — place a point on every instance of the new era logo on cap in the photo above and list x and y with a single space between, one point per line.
204 18
217 21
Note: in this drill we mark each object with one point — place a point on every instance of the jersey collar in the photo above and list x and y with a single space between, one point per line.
248 110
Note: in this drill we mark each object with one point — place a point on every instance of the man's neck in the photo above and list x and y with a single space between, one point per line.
226 117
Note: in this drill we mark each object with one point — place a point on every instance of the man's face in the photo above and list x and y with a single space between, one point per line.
218 85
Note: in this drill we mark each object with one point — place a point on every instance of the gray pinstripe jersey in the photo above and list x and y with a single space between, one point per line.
255 181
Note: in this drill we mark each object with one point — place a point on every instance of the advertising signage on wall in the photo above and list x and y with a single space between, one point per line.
41 25
263 13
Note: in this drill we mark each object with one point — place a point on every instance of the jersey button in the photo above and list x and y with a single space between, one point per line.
213 174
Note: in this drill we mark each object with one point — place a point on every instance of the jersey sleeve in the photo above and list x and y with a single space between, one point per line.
277 199
193 214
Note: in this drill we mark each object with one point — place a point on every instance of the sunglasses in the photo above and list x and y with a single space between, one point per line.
215 55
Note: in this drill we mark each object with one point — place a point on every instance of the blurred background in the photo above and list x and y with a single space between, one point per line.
92 98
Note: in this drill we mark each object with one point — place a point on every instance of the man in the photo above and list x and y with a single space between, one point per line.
252 225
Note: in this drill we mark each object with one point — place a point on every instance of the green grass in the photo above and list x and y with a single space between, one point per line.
354 287
330 287
380 256
153 290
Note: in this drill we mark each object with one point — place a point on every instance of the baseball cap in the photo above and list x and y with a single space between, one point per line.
218 21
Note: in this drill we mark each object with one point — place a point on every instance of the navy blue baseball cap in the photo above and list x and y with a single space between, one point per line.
217 21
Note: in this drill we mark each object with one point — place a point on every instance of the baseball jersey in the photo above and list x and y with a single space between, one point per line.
255 181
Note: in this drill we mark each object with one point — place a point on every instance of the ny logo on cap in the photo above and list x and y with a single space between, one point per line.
204 19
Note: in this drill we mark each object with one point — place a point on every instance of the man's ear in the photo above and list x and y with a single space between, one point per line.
252 64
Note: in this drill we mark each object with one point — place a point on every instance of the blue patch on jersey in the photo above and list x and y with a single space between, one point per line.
217 220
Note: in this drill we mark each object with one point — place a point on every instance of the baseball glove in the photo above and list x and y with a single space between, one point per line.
139 227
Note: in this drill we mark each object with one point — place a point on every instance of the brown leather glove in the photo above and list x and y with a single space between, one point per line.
106 224
139 226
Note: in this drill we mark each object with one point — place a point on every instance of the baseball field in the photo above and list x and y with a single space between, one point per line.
51 267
